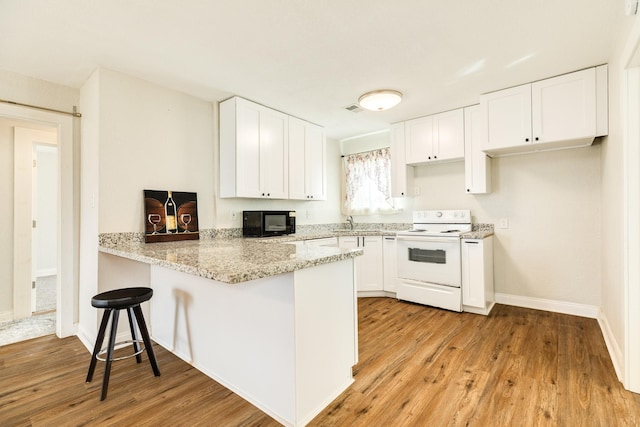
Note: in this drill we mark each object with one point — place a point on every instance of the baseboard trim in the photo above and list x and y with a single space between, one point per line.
6 316
554 306
615 353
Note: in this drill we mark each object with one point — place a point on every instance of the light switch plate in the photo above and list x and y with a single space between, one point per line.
504 223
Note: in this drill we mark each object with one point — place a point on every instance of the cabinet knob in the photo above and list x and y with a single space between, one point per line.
468 190
312 196
263 194
526 139
435 157
429 157
268 194
402 194
537 139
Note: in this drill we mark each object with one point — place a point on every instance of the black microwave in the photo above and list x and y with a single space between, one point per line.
268 223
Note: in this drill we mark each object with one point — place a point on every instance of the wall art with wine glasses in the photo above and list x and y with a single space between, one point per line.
170 216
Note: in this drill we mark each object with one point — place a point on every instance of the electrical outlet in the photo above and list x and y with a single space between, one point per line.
416 191
504 223
234 215
309 214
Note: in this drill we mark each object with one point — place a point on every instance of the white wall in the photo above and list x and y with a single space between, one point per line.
551 249
46 211
613 202
150 138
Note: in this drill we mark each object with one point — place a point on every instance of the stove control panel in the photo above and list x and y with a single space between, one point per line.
460 216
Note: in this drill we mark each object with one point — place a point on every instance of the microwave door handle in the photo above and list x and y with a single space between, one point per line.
427 240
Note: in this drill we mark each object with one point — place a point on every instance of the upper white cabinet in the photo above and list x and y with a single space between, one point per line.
477 165
565 111
253 150
435 138
307 161
401 174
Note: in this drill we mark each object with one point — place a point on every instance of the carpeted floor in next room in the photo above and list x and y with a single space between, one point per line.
42 322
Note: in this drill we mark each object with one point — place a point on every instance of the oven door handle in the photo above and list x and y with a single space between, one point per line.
427 239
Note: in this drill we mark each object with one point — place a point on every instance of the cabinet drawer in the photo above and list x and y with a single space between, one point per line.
428 294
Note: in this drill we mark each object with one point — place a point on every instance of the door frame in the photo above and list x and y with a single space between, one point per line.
630 84
26 141
68 212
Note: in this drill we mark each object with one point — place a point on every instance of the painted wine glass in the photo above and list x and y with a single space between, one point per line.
154 219
185 219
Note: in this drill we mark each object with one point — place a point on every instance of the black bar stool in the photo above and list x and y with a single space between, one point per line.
114 301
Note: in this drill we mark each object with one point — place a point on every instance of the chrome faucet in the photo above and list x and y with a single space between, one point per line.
350 221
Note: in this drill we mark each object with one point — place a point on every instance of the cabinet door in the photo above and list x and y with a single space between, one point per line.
274 160
315 163
401 174
507 117
370 273
477 165
297 159
390 267
307 161
564 107
473 292
419 140
247 152
448 135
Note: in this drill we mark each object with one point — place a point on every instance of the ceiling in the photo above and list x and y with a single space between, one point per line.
313 58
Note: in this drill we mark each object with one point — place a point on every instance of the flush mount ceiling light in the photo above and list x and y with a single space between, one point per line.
379 100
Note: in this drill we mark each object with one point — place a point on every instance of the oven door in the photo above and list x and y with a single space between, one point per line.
429 259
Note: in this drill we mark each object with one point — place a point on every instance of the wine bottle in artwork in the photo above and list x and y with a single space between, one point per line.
170 214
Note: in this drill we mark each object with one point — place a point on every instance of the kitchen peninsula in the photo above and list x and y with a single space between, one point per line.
274 322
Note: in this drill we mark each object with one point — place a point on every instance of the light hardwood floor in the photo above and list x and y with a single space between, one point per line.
418 366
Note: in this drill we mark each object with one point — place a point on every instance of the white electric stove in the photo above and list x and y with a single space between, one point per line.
429 258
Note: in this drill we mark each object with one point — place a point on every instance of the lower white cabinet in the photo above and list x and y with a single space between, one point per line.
390 255
369 269
478 295
325 241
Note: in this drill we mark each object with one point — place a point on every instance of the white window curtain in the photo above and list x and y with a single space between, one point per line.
367 183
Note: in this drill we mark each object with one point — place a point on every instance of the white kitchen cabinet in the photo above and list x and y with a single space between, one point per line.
477 165
324 241
369 266
435 138
478 295
561 112
390 265
307 161
253 150
401 174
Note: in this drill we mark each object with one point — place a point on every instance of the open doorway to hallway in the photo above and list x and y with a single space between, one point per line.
34 243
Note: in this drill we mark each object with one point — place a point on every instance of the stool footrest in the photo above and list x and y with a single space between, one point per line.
115 346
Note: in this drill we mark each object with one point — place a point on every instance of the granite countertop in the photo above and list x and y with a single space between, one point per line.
232 259
477 235
229 260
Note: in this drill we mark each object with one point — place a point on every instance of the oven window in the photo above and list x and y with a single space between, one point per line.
430 256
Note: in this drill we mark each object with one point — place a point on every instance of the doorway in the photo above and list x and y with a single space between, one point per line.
67 223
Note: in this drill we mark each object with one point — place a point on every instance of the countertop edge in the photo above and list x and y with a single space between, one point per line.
282 267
